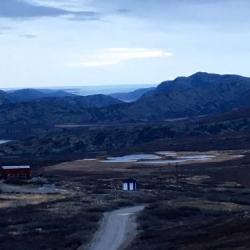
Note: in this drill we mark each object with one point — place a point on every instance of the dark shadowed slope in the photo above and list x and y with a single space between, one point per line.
16 119
24 95
132 96
199 94
223 130
3 97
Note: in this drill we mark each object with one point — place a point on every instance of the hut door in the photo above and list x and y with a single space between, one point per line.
125 186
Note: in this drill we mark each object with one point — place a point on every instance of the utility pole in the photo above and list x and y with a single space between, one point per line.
177 174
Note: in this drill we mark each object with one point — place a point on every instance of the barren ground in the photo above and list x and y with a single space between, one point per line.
201 198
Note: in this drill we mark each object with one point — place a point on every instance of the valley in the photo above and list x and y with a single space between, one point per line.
198 194
192 174
124 125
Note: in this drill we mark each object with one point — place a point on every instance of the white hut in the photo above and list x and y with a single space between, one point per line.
129 185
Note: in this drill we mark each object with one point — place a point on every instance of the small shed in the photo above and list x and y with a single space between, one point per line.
129 185
16 171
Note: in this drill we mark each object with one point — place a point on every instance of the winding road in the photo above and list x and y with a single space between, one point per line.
117 229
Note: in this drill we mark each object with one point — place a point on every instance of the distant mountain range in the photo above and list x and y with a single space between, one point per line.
201 94
3 97
51 97
132 96
26 95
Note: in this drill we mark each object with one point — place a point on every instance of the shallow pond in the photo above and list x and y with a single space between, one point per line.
167 153
132 158
182 159
4 141
158 158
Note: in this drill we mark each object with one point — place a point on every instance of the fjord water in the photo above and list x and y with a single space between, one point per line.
96 89
4 141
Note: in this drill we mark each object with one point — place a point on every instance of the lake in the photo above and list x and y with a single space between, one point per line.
4 141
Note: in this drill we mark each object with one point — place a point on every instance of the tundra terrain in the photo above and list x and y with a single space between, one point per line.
201 198
190 157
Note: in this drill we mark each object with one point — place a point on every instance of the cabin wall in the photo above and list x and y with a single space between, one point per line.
125 186
129 186
6 173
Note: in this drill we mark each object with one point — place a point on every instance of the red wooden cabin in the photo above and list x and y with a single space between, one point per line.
16 171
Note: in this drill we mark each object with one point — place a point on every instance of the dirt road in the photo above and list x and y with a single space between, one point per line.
117 229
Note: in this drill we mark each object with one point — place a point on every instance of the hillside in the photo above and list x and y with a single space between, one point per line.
3 97
25 95
25 118
132 96
201 94
213 132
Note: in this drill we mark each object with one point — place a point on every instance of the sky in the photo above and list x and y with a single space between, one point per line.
46 43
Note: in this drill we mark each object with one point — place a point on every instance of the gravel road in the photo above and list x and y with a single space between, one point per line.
117 229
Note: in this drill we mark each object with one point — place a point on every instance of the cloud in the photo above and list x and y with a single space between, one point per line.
180 13
5 28
113 56
28 36
21 9
72 5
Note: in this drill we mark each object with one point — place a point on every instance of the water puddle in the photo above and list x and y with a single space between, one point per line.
4 141
132 158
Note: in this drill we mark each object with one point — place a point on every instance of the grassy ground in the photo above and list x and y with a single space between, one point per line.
198 206
204 213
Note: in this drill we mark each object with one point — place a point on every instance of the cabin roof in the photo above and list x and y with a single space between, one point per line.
15 167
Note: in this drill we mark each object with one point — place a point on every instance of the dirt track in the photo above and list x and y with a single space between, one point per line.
117 227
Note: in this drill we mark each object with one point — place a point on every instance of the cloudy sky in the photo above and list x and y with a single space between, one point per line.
95 42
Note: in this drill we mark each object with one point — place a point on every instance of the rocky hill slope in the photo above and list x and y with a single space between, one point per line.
132 96
199 95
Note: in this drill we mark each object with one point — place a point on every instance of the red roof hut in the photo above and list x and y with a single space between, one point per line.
16 171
